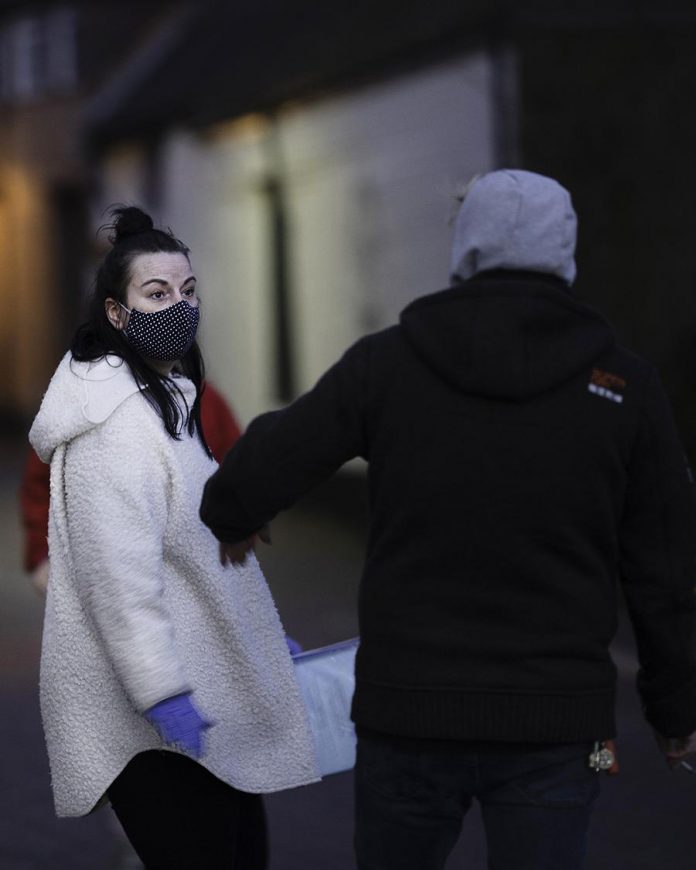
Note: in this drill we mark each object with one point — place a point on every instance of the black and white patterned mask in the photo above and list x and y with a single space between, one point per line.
165 334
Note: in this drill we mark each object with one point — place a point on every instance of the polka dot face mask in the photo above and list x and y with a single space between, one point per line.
165 334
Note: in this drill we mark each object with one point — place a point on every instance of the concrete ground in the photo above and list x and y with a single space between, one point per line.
645 817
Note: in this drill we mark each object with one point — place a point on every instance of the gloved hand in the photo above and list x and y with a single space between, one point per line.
294 646
179 724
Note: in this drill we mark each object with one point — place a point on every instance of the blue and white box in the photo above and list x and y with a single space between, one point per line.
327 681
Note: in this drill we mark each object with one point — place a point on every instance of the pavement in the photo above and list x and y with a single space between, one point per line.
645 818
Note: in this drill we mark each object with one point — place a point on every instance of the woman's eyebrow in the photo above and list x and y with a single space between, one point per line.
165 283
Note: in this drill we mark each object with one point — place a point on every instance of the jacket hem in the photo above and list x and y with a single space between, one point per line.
460 714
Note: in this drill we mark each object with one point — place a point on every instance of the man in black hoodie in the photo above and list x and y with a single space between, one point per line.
521 463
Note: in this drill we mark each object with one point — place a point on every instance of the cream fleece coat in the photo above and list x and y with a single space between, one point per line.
139 607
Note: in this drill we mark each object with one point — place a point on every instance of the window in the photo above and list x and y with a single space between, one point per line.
61 50
27 55
38 56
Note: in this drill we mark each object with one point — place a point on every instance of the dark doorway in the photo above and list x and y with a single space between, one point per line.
70 220
280 288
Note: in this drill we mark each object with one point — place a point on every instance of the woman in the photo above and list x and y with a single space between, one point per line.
166 684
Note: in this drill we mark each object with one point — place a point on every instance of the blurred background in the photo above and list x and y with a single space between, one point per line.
309 152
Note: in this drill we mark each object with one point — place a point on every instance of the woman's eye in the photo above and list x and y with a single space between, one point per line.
158 294
190 291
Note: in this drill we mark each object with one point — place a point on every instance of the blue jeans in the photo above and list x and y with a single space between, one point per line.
411 797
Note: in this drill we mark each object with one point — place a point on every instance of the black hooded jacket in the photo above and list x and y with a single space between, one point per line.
521 464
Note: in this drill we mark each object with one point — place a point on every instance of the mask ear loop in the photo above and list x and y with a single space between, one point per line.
129 311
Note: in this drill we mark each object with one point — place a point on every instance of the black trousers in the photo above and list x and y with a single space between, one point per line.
178 816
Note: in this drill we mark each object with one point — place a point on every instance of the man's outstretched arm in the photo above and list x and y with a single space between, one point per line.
283 454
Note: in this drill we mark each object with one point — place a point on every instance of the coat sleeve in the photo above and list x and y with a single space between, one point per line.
116 507
285 453
658 568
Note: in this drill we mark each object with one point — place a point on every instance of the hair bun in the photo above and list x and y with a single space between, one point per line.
128 221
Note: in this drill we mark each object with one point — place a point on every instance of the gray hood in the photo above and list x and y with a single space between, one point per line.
512 219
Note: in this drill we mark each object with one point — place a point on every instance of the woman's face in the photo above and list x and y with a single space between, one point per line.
160 280
156 281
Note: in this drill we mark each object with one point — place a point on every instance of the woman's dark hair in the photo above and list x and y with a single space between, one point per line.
133 233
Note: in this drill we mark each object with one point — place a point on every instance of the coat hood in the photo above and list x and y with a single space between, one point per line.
506 335
512 219
80 396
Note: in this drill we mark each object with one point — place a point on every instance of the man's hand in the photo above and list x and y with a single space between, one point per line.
614 769
678 749
236 553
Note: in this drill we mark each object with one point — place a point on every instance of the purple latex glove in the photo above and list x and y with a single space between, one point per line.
179 724
294 646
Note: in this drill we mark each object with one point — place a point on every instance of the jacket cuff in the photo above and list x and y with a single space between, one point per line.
675 715
227 535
